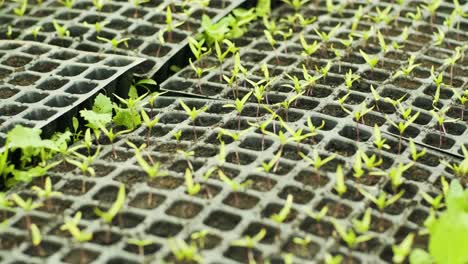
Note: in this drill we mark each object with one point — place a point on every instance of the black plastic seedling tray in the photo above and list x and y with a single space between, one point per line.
287 59
227 215
120 20
44 86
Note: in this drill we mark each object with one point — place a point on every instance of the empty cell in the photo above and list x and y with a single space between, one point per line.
61 101
39 114
44 66
11 110
100 74
31 97
52 84
63 55
6 92
74 70
16 61
24 79
81 87
117 62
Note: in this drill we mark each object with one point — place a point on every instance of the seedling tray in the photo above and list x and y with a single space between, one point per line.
227 215
120 19
44 86
418 88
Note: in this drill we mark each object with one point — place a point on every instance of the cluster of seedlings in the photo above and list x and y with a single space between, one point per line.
154 29
322 148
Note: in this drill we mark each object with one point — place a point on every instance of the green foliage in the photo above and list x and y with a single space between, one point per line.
249 241
192 188
349 236
115 208
449 233
36 236
62 31
71 225
284 212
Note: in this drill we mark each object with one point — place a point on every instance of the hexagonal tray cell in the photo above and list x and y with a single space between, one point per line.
141 26
48 81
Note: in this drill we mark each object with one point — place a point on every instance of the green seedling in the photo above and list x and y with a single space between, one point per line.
383 15
67 3
221 55
370 60
62 31
187 155
27 206
199 72
401 251
129 116
149 123
46 193
84 164
21 10
99 4
379 142
273 43
435 202
114 42
303 242
71 225
317 216
362 225
358 170
296 4
415 155
199 238
349 236
432 7
372 161
350 78
192 188
395 174
236 70
116 207
112 136
415 16
263 8
309 80
340 186
193 114
235 186
324 70
239 106
141 244
250 241
326 37
439 37
198 49
184 252
382 201
259 92
296 135
287 103
358 114
36 238
451 61
407 71
441 121
356 19
283 214
317 161
463 100
35 31
402 126
459 169
330 259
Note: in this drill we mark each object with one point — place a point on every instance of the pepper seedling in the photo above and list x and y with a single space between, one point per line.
349 236
46 193
382 201
116 207
192 188
141 244
62 31
402 250
184 252
317 161
362 225
415 155
193 114
239 106
406 71
283 214
370 60
340 186
36 238
459 169
27 206
235 186
114 42
395 174
84 164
